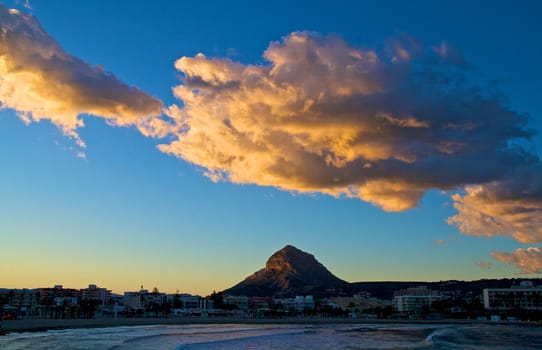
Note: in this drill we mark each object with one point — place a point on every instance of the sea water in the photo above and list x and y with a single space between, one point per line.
351 337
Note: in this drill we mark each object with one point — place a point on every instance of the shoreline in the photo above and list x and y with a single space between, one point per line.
42 325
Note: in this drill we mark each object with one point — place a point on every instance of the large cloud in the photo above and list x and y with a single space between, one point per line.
512 206
41 81
322 116
528 260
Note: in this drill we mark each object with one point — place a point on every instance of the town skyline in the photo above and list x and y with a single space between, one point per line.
306 289
179 145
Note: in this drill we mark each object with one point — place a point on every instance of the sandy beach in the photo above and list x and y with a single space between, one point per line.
40 324
197 333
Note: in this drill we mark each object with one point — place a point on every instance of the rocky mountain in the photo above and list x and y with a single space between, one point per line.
289 271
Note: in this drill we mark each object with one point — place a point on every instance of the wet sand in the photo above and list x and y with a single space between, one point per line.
41 324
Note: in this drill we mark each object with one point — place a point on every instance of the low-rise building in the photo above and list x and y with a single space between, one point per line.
191 302
304 303
93 293
65 301
414 300
240 301
25 301
524 296
188 303
358 302
143 299
134 299
298 304
259 303
24 298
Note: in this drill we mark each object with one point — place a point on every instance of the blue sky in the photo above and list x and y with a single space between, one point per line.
128 214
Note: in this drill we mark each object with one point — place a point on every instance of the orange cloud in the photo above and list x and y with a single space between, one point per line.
527 260
322 116
512 206
40 81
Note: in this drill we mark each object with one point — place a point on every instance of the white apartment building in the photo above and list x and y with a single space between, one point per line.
298 304
413 300
524 296
240 301
94 293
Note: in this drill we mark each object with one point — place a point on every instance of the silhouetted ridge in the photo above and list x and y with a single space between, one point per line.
288 271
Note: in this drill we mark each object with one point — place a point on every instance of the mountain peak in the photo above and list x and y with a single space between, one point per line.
289 270
288 248
290 258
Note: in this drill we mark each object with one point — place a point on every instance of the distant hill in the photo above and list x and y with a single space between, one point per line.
291 271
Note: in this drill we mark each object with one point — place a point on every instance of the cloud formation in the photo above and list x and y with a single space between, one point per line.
512 206
39 80
528 260
322 116
318 115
